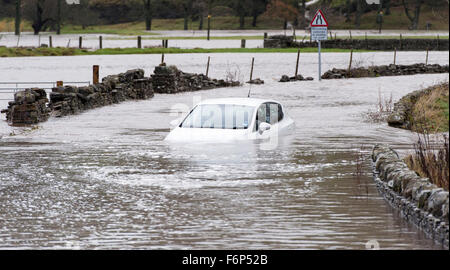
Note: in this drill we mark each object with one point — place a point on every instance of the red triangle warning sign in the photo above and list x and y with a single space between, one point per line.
319 20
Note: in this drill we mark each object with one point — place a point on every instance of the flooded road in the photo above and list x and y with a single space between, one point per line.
106 179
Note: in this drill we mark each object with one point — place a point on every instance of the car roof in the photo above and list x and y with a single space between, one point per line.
254 102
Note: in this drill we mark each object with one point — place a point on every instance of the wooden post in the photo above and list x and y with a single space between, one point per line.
437 43
95 74
367 42
167 44
163 43
59 83
243 43
351 60
426 59
162 58
296 66
207 66
50 42
100 42
251 71
395 55
139 42
80 42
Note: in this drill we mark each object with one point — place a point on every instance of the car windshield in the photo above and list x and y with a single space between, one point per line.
219 116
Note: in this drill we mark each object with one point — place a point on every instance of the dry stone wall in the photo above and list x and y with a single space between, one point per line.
384 70
281 41
417 199
29 106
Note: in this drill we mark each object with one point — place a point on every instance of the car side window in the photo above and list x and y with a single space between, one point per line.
269 112
260 116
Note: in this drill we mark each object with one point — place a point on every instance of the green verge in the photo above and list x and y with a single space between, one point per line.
22 52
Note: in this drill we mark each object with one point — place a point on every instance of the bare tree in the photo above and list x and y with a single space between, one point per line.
415 17
359 11
18 16
39 12
148 14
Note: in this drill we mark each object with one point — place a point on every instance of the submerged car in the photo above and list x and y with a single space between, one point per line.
232 119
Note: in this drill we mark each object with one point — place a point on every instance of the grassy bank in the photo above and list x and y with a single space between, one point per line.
430 113
20 52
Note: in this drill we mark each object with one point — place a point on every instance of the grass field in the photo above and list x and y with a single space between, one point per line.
21 52
397 20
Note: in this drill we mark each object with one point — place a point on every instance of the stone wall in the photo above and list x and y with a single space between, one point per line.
401 115
29 107
130 85
384 70
169 80
417 199
362 44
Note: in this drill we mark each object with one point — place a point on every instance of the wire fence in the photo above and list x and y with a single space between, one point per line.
8 88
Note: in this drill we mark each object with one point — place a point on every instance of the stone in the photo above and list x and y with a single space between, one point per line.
256 81
445 211
285 78
437 199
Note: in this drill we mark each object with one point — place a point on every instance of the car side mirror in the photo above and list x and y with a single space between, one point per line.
264 127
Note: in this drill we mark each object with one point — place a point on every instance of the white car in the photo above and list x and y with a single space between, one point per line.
232 119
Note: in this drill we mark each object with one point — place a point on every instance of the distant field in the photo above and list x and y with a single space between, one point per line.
396 21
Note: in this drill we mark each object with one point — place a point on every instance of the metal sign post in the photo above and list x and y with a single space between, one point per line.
320 63
319 31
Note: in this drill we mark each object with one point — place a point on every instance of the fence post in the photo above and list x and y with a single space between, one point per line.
426 59
265 35
437 41
395 55
95 74
139 42
243 43
251 72
350 63
207 66
298 59
367 42
80 42
162 58
50 42
100 40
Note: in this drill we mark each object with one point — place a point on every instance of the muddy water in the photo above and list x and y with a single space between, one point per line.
105 178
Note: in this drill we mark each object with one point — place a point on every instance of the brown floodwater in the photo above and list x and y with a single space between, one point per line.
105 179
